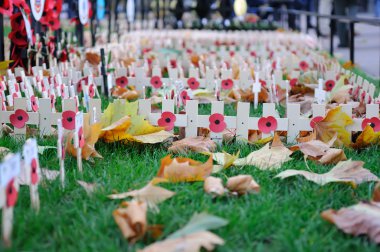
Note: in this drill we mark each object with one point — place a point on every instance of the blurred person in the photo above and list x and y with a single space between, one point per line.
344 8
325 8
377 8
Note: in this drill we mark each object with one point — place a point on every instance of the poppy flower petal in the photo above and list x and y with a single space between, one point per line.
315 120
267 124
19 118
156 82
68 120
12 194
217 123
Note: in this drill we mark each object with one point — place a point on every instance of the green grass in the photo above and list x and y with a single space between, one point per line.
285 216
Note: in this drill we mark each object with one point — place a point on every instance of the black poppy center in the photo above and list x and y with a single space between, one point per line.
69 119
51 22
10 190
20 118
268 124
217 122
167 120
372 125
226 83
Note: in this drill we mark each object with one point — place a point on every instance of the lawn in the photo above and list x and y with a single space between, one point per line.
284 216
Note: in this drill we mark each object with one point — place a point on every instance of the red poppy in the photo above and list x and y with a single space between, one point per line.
263 83
253 54
12 194
374 122
315 120
304 66
267 124
34 172
362 96
167 120
2 86
79 87
17 23
91 91
173 63
63 56
274 64
33 102
81 137
189 51
232 53
193 83
217 123
227 84
52 101
62 90
6 8
184 97
329 85
22 5
18 38
156 82
68 119
122 81
293 82
19 118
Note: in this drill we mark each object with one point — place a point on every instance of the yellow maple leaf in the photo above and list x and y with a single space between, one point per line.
182 170
335 122
366 138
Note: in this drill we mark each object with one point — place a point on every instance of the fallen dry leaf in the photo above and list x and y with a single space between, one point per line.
225 159
359 219
132 220
88 187
345 171
242 184
49 174
153 138
196 144
92 58
182 170
150 194
4 151
268 157
320 151
366 138
333 124
214 186
91 135
189 243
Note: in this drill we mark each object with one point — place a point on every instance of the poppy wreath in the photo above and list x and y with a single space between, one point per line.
217 123
374 122
267 124
52 10
156 82
167 120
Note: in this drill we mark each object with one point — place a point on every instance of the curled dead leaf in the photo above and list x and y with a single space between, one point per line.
88 187
242 184
132 220
196 144
93 58
214 186
345 171
182 170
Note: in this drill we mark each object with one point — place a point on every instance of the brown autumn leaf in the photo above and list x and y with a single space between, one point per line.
225 159
195 144
214 186
248 96
5 130
182 170
124 93
88 187
366 138
320 151
188 243
268 157
307 138
132 220
93 58
345 172
150 194
242 184
360 219
334 123
91 135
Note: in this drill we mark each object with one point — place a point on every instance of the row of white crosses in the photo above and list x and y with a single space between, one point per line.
15 171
